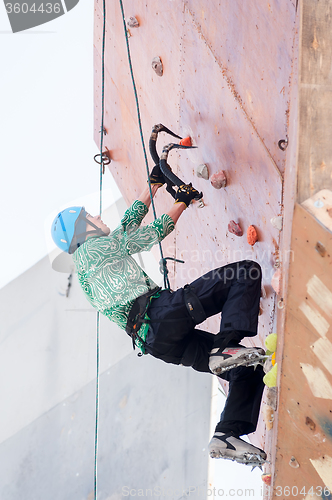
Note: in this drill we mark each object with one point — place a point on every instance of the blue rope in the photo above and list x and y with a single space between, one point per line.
100 211
166 280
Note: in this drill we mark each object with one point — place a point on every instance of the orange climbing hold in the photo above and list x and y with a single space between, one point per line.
252 235
266 478
186 141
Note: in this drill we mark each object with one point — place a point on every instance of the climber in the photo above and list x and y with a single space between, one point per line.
163 323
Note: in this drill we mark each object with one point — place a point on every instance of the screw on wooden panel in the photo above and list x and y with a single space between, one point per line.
283 143
320 249
294 463
281 304
310 423
132 22
157 66
276 263
319 203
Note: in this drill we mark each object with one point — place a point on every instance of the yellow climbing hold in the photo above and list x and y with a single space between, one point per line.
271 342
270 379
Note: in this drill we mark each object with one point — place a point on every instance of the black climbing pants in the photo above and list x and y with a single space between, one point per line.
233 290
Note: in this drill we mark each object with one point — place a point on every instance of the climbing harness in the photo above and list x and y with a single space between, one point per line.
136 316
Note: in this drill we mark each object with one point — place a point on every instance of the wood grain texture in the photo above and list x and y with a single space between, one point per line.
315 101
303 419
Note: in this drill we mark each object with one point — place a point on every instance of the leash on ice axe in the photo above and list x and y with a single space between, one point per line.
170 177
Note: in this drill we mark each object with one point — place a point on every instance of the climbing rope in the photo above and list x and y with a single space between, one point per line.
102 167
163 260
104 161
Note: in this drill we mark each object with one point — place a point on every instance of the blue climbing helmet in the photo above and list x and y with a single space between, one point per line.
69 229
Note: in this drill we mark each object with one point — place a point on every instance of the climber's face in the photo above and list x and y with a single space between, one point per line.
99 223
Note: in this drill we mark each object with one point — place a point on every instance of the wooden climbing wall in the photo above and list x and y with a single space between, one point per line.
230 81
221 92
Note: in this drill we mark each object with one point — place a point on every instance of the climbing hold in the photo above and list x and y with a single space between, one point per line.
157 66
202 171
132 22
186 142
234 228
270 379
252 235
268 416
294 463
310 423
277 222
271 342
219 179
266 478
271 397
320 249
268 363
275 281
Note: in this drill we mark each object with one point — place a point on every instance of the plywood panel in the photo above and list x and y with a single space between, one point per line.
315 148
253 44
305 404
225 141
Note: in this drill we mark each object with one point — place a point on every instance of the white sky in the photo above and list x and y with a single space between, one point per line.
47 150
47 146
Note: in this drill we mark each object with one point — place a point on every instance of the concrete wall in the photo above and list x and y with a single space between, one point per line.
154 417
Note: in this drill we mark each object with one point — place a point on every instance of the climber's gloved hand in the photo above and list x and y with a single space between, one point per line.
156 177
186 193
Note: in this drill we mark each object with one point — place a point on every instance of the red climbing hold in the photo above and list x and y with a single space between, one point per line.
219 179
266 478
234 228
186 141
252 236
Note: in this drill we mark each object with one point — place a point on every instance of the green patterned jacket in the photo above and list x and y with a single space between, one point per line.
110 278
